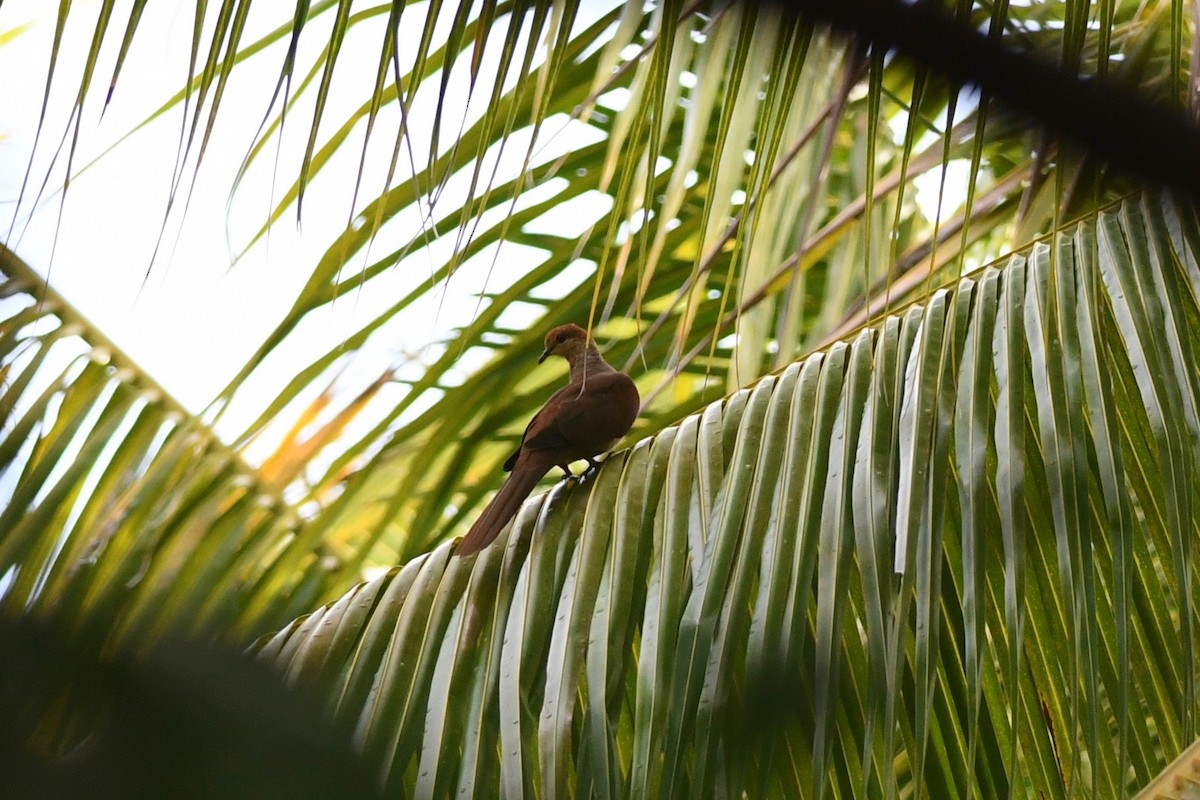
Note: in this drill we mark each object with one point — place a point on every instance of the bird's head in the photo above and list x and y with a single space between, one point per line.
568 341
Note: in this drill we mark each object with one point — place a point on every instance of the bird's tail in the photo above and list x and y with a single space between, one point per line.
504 505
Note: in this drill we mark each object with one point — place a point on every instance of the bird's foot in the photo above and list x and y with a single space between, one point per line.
592 468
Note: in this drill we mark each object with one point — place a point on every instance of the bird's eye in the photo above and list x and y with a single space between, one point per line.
562 337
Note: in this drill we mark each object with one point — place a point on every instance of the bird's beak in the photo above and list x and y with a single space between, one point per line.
545 354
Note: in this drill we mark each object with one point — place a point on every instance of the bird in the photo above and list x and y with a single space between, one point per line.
580 421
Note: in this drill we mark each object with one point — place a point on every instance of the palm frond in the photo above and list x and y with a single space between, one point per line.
118 504
949 554
729 216
739 186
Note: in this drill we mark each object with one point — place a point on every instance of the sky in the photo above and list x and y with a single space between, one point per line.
187 319
190 317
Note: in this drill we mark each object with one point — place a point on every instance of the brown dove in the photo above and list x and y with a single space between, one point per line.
580 421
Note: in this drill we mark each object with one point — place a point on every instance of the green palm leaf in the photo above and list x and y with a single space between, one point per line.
736 606
732 217
673 282
121 506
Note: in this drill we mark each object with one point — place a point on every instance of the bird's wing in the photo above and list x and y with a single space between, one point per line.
541 415
512 460
582 414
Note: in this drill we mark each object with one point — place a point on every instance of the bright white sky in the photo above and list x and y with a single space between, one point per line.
194 321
